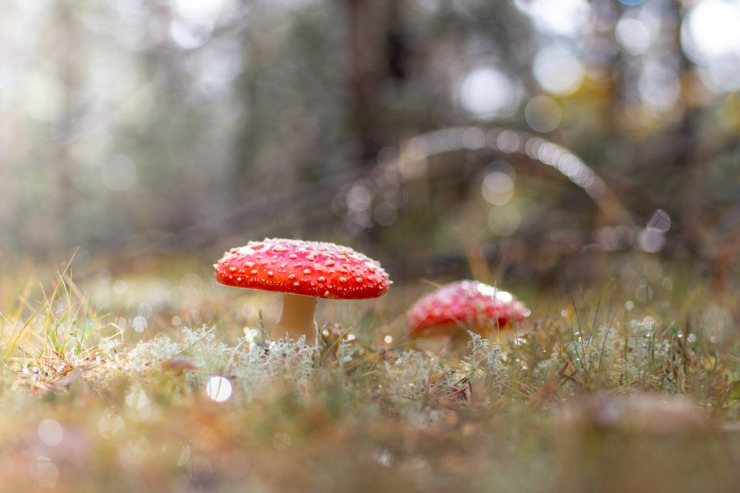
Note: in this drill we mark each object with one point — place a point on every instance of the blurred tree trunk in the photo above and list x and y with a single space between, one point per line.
371 41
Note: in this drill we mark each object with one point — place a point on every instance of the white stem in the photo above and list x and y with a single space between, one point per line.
298 318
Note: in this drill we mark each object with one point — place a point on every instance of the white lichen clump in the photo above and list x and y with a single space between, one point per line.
251 367
607 357
487 362
610 357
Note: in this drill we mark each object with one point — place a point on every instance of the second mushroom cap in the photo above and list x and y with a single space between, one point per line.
465 304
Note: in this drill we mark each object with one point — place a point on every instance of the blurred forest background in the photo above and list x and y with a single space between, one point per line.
530 133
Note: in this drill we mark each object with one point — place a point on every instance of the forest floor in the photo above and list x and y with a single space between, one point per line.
167 382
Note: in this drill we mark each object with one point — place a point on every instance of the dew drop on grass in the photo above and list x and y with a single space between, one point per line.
219 388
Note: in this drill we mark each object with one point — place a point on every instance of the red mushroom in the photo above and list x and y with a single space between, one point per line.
465 305
302 271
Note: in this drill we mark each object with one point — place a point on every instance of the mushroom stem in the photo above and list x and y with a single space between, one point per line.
298 318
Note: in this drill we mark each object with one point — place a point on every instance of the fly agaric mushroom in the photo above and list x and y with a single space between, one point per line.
461 305
302 271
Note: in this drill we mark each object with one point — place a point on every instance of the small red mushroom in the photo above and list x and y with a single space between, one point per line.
302 271
465 305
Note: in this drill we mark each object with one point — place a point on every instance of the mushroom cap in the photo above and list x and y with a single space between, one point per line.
464 305
309 268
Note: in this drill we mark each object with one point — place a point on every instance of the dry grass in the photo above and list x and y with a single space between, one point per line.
597 398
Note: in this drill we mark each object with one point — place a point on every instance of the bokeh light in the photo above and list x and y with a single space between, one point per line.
564 17
659 87
710 36
111 425
498 183
50 432
47 472
652 238
659 221
711 29
504 220
488 93
138 405
543 114
199 10
193 26
498 188
633 36
557 70
190 35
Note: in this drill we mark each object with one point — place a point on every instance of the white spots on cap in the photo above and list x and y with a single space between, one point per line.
306 268
504 296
